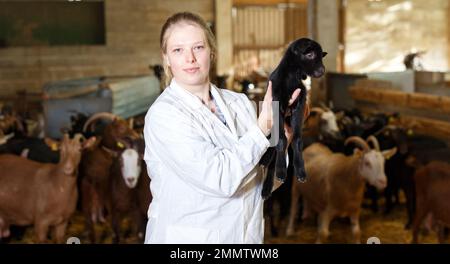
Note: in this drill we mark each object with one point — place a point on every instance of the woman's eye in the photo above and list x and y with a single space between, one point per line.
178 50
199 47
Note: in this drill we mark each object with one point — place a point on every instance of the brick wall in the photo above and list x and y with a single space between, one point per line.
132 43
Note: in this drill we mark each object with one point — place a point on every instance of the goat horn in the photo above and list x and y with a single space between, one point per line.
374 141
96 116
131 123
317 110
358 141
322 104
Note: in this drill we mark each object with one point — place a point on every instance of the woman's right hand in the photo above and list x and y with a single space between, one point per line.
265 119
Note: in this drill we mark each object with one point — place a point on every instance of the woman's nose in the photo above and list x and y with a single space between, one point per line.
190 57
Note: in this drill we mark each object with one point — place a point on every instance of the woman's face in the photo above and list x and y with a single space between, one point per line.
188 54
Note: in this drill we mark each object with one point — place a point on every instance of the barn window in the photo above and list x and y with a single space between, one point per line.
379 34
261 33
51 23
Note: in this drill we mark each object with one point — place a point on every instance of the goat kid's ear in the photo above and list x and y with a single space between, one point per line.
324 54
387 154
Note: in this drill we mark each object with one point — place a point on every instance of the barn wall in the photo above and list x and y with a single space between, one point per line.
132 43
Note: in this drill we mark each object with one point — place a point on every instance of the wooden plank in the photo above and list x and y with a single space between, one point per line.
411 100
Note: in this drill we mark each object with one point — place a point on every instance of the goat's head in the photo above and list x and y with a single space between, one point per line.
130 165
308 55
323 122
371 161
394 136
70 151
117 134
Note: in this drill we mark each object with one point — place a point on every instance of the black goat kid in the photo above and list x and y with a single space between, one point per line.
302 58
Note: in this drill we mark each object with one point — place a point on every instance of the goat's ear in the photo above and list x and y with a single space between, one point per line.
389 153
90 142
357 151
324 54
52 144
340 115
412 161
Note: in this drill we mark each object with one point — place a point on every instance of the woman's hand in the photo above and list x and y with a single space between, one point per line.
288 132
265 119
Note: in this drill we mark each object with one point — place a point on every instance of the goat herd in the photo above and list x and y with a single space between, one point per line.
43 182
97 170
351 158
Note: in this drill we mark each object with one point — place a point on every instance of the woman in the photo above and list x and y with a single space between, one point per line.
203 145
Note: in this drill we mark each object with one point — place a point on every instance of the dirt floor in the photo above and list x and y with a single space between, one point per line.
389 229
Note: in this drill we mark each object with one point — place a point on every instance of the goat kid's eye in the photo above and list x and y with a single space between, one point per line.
310 55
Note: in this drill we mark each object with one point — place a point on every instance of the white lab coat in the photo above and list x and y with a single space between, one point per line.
204 176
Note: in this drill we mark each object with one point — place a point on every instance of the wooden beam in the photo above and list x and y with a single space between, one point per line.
224 36
341 35
425 113
267 2
421 101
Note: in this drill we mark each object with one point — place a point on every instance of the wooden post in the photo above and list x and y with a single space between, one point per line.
224 37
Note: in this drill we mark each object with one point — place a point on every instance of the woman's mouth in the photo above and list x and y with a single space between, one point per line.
192 70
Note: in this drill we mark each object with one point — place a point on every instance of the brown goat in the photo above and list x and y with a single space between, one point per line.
130 191
42 194
432 195
336 184
95 168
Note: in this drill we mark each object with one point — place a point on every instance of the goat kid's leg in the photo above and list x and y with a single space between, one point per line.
297 143
268 181
323 226
356 229
59 231
280 165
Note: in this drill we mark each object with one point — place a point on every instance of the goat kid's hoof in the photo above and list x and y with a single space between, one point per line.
301 177
281 179
281 175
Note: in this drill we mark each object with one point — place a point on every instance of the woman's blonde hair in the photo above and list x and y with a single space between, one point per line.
189 18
